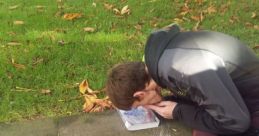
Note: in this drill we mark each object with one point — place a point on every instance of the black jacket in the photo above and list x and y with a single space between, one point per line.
216 72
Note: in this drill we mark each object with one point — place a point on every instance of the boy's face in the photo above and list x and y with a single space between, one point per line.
148 96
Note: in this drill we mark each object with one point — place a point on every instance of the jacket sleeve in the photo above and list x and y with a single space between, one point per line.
220 108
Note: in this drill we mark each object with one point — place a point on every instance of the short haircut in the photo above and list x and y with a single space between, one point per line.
123 81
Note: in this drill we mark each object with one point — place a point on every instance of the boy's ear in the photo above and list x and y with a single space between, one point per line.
139 95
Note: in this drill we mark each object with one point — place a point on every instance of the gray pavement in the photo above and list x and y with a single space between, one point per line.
99 124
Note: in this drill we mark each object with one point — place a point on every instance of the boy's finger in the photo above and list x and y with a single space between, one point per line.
152 107
162 104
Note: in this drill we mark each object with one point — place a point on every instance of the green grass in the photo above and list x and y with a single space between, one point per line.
58 67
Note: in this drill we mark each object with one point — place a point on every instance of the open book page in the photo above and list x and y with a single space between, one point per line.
139 118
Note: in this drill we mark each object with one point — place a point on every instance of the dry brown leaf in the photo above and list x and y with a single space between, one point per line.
89 29
45 91
116 11
13 7
199 1
61 42
97 105
233 19
11 33
211 9
92 103
16 65
97 109
72 16
88 105
178 20
105 103
256 27
184 13
40 7
22 89
37 61
125 10
185 9
253 15
153 23
18 22
14 43
138 27
94 4
83 87
248 24
195 18
256 47
108 6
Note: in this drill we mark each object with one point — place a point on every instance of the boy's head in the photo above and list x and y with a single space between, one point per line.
129 85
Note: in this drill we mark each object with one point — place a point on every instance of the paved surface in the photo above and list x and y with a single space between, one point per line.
100 124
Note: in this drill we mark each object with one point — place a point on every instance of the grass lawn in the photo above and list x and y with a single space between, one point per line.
55 54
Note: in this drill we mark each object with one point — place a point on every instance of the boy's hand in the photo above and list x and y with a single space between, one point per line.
164 108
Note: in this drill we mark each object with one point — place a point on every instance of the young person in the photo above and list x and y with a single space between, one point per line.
213 77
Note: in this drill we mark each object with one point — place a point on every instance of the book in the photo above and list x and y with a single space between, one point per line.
139 118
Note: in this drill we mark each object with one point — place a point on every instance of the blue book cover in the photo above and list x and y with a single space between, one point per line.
139 118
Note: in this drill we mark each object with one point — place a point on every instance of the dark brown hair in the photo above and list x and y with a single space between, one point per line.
123 81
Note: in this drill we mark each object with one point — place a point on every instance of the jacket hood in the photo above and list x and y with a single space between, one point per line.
155 46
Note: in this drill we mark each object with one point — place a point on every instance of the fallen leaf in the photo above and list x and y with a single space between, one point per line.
61 42
97 109
233 19
116 11
14 43
195 18
45 91
105 103
37 61
199 1
72 16
92 103
16 65
13 7
94 4
125 10
11 33
83 87
59 13
211 9
108 6
248 24
40 7
89 29
256 47
185 9
138 27
88 105
22 89
253 15
178 20
256 27
223 8
18 22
